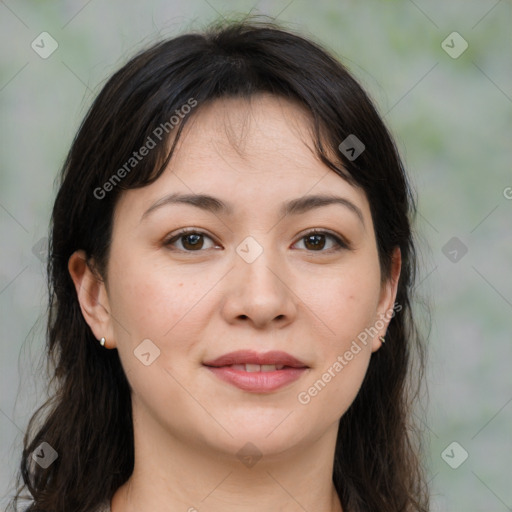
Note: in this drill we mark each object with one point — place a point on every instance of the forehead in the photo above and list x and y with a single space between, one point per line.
254 153
250 127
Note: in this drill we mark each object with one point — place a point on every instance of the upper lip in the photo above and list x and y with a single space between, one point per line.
251 357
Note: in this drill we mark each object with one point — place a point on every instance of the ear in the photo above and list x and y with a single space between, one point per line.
92 296
385 309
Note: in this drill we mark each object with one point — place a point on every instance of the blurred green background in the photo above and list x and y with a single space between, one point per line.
450 112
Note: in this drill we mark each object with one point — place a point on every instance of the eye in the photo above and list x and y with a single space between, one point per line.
315 240
191 240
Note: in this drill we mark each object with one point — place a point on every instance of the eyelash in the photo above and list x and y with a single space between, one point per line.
341 244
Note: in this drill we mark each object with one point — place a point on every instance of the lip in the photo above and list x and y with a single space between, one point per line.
257 382
252 357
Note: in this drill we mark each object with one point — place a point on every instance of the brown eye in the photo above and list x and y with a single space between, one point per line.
191 241
315 241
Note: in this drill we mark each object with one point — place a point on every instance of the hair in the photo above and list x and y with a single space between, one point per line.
377 459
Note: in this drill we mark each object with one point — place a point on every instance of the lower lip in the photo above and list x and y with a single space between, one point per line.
257 382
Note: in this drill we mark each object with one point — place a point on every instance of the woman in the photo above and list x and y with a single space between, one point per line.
231 263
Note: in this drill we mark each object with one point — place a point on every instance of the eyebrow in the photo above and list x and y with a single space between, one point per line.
217 206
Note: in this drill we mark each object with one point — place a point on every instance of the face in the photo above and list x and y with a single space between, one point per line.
245 277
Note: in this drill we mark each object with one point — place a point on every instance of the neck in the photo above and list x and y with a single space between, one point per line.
175 473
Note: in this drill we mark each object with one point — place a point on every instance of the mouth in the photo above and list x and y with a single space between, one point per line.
251 361
257 373
252 368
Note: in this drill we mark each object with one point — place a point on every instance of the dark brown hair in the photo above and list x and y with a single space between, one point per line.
377 464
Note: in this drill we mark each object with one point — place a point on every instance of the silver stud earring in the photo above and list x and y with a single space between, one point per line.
381 338
102 342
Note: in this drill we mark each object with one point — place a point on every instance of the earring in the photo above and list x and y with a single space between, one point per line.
102 342
381 338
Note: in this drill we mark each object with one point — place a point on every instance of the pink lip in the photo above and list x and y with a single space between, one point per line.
252 357
257 382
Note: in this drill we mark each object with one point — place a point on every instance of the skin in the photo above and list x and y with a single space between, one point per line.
197 305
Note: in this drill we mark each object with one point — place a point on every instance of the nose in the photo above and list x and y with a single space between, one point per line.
260 293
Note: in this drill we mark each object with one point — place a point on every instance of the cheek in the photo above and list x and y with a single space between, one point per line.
347 303
334 388
336 380
347 307
163 303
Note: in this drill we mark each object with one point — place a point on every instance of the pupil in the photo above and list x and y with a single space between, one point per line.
195 239
317 243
